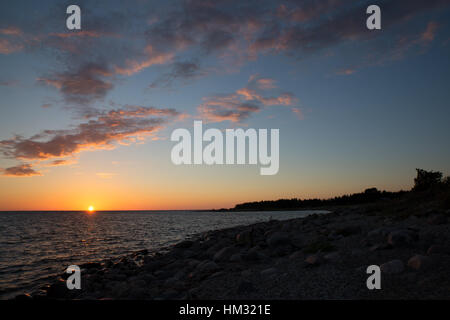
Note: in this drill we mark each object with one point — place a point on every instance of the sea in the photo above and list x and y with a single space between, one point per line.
37 246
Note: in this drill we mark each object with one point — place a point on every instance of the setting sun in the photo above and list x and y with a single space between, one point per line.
91 209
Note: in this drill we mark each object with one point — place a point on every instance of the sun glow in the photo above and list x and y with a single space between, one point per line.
91 209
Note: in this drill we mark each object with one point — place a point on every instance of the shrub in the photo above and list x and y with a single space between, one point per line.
427 180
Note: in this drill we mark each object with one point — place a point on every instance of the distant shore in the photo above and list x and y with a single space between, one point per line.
322 256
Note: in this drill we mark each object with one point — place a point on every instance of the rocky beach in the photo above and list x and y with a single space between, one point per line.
322 256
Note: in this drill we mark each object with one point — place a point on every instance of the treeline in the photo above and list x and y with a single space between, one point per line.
369 195
426 181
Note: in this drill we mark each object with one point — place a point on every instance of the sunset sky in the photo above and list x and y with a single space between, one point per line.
86 115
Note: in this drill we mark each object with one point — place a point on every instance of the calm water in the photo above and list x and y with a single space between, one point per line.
36 246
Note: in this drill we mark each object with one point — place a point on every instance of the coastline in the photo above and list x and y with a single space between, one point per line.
321 256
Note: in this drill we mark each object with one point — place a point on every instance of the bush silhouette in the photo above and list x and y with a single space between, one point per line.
427 180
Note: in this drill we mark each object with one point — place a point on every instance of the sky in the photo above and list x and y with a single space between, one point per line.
86 115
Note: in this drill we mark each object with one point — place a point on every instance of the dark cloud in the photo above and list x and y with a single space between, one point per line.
183 71
8 83
83 85
22 170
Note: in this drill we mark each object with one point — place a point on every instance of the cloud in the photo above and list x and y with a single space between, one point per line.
179 70
61 162
286 98
306 10
102 131
11 31
241 104
298 113
83 85
266 83
152 57
9 83
346 71
429 34
84 34
22 170
341 25
226 108
8 47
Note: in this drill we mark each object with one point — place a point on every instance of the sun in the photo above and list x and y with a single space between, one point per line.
91 209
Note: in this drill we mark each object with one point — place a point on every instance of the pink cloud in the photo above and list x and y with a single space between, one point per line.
153 57
8 47
104 131
238 106
429 34
298 113
11 31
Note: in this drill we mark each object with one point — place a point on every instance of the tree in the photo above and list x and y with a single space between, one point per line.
426 180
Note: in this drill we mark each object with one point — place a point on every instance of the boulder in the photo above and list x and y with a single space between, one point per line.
245 287
313 260
437 219
419 262
438 249
277 239
296 255
393 267
332 257
207 267
269 271
184 244
224 254
400 238
245 238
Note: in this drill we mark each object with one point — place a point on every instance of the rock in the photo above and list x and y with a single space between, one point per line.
438 249
253 255
348 230
380 246
332 257
237 257
437 219
400 238
119 289
393 267
296 255
192 263
207 267
90 265
313 260
245 287
269 271
136 293
245 238
184 244
224 254
278 238
419 262
58 290
162 274
246 273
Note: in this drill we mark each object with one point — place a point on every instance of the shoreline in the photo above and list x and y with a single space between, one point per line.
321 256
